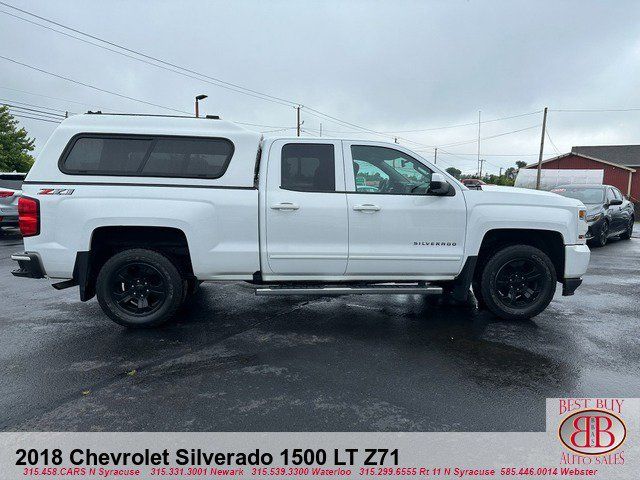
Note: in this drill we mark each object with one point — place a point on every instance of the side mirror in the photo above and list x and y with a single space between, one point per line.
615 201
439 186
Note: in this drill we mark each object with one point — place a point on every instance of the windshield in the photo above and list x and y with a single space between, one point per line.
585 195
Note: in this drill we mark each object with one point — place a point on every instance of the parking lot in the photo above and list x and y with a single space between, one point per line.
233 361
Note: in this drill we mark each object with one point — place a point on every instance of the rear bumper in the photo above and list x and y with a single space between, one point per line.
29 265
576 261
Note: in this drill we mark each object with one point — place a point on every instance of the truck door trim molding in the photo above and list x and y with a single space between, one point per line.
451 258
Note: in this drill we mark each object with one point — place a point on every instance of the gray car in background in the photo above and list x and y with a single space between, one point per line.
609 214
10 191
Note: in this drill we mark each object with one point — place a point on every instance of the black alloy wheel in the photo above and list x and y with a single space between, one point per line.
603 234
519 282
140 288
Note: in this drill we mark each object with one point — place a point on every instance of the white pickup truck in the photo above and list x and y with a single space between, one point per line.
139 210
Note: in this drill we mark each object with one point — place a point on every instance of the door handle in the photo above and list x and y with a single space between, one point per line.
285 206
367 207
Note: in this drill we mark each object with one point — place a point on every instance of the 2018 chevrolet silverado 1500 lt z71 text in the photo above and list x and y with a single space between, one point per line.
138 210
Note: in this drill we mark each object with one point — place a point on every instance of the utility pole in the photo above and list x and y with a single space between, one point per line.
479 166
320 128
500 176
481 162
298 119
435 156
544 126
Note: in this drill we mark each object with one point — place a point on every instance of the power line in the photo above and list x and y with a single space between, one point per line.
551 141
34 110
465 124
592 110
221 83
93 87
260 125
278 130
490 136
36 118
49 97
174 66
497 154
7 101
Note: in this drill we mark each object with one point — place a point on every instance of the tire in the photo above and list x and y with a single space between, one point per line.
600 240
518 282
139 288
626 235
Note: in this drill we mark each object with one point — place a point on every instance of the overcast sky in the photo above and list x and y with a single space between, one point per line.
386 65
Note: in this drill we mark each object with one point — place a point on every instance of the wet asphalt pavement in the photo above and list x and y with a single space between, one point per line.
233 361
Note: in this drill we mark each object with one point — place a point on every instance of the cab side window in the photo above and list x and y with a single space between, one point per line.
387 170
610 195
308 167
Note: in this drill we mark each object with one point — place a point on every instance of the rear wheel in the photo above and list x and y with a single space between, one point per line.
626 235
518 282
139 288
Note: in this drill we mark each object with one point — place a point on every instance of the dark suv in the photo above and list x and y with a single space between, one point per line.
609 214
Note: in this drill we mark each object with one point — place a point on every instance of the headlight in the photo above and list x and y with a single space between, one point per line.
595 217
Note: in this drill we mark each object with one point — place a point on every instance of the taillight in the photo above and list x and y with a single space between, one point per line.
29 216
5 194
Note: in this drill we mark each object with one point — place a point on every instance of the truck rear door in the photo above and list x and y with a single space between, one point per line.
305 210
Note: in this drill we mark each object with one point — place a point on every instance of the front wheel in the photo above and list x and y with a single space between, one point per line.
518 282
139 288
626 235
602 236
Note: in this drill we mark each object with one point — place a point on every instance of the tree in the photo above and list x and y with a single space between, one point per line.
520 164
511 173
454 172
15 145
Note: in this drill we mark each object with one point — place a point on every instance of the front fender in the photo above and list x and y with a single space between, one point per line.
484 218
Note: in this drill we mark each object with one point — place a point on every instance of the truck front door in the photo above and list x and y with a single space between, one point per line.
305 210
396 229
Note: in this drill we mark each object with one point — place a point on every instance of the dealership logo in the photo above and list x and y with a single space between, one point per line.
592 432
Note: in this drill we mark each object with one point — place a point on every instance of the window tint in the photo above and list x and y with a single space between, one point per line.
188 157
610 195
585 195
308 167
148 156
387 170
106 155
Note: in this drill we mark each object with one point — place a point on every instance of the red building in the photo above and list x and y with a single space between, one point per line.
621 165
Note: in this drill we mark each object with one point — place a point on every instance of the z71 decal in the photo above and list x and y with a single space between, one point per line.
56 191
